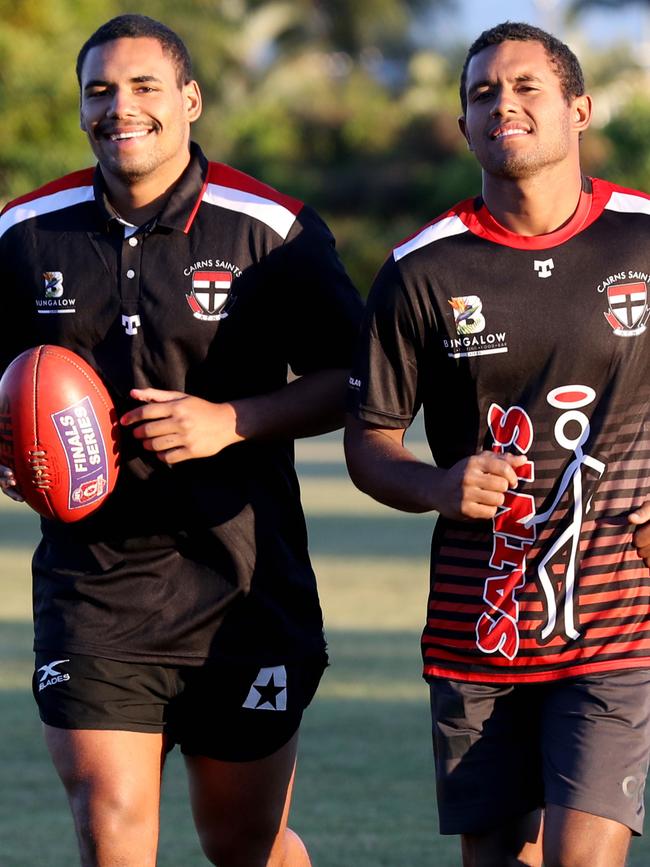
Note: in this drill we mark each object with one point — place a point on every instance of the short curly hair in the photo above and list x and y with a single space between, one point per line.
564 61
141 27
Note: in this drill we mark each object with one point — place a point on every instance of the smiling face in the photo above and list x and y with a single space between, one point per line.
518 120
136 114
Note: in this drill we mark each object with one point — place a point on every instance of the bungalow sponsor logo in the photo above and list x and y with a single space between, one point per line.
53 298
472 338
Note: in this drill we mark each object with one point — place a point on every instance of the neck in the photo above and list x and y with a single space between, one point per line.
139 200
536 205
134 202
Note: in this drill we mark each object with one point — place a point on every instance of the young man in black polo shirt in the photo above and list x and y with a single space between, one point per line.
186 610
517 320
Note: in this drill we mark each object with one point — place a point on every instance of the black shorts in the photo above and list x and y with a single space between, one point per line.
504 750
233 713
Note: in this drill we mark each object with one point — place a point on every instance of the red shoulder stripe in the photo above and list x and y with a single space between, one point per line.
226 176
81 178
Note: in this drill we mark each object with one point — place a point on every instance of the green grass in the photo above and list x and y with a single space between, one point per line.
364 793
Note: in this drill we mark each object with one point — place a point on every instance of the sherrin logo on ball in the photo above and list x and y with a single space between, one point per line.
59 432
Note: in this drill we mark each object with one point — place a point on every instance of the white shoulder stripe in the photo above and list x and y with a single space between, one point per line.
442 229
279 218
628 203
45 205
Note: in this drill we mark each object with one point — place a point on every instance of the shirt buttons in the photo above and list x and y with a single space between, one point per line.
130 273
133 242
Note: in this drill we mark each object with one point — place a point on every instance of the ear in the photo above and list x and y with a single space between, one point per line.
193 100
581 109
462 125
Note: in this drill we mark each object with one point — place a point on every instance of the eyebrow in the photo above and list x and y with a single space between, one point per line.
486 82
137 79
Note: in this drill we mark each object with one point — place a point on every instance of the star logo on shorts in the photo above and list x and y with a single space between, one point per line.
269 690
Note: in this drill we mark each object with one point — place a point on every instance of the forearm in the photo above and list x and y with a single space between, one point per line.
382 467
310 405
472 489
180 426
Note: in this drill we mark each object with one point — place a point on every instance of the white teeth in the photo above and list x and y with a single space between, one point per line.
508 132
120 136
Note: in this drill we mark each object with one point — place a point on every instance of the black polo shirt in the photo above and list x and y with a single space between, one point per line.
229 287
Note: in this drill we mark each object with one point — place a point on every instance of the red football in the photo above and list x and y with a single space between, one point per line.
58 432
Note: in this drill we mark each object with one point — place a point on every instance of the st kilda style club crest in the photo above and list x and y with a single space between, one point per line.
210 295
628 308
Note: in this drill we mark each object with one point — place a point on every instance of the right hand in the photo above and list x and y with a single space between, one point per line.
474 488
8 484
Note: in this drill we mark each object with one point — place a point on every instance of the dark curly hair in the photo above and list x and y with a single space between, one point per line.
138 27
564 61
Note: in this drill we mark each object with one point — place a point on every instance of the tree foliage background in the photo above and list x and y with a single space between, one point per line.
342 104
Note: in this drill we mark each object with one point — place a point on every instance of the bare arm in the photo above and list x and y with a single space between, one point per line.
178 426
640 519
381 466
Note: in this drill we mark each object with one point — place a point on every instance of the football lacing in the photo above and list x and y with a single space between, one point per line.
41 477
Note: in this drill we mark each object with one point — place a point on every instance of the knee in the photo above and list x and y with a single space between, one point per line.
242 846
232 849
111 810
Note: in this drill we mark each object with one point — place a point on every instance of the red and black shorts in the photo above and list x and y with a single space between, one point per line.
505 750
224 711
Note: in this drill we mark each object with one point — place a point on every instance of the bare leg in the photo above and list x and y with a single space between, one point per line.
576 839
241 810
112 779
518 844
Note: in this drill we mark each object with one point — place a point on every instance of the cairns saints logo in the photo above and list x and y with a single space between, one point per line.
628 308
210 293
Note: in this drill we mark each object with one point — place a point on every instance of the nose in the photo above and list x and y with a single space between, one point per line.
503 103
122 104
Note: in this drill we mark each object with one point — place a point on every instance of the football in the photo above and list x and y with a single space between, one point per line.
59 432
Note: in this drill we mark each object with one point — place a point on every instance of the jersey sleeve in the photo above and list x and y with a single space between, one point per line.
15 335
384 387
322 314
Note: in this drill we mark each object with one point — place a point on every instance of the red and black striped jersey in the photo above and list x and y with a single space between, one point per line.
232 284
536 346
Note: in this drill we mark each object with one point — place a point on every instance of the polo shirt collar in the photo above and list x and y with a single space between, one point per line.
180 207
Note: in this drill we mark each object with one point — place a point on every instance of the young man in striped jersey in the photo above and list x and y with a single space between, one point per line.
185 610
518 322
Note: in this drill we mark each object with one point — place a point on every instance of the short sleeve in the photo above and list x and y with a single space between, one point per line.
15 333
384 382
322 309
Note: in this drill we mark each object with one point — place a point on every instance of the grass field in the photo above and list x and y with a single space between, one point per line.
364 794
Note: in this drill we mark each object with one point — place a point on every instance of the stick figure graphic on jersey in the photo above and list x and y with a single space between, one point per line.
569 398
